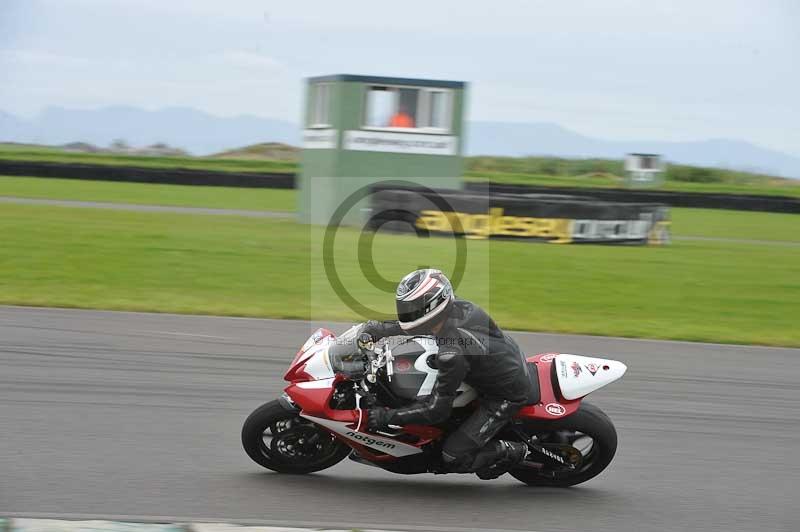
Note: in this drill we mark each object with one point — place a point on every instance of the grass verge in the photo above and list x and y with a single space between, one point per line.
777 187
266 199
687 222
702 291
542 171
741 225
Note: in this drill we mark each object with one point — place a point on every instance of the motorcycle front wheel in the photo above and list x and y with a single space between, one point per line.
581 444
282 441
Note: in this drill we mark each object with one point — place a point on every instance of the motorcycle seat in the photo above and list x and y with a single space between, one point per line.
533 377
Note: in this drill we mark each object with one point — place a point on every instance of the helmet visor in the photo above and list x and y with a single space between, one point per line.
416 313
408 311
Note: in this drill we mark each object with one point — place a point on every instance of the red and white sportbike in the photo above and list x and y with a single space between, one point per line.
321 417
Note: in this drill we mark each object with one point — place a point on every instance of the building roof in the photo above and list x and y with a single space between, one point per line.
382 80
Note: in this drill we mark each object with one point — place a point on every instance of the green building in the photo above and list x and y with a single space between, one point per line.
362 130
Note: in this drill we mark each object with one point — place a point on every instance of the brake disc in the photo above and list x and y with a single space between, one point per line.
300 441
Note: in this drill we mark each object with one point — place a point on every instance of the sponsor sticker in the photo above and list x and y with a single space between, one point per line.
555 409
551 454
320 139
548 357
576 368
394 142
592 368
496 223
367 440
563 369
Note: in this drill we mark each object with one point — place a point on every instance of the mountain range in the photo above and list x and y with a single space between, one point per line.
202 133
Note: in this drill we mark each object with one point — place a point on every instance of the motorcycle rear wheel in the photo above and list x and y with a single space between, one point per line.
589 431
282 441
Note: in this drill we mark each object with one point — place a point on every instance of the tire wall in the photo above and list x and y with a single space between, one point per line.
180 176
533 218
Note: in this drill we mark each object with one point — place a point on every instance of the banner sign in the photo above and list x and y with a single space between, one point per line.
555 219
385 141
320 139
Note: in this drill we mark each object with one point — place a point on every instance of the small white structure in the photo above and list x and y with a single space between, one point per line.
644 169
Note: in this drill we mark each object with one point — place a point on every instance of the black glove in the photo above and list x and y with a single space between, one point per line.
378 419
365 341
382 329
373 328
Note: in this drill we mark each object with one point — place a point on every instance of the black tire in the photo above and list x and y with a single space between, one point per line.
263 419
589 420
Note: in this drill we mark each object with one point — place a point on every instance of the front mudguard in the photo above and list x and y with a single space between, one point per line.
286 402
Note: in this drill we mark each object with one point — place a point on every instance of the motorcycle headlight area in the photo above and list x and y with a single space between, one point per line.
346 360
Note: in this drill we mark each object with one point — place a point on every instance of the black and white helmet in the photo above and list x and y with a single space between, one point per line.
424 299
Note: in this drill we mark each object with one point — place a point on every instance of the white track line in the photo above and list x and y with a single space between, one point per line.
135 207
249 522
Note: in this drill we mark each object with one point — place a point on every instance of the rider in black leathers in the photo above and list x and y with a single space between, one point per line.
472 349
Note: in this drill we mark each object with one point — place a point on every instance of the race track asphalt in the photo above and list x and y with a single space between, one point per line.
137 416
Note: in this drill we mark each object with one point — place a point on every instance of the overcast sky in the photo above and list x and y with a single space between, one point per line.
615 69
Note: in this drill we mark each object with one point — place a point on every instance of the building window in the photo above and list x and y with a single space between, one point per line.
643 162
438 115
320 105
648 162
381 105
426 110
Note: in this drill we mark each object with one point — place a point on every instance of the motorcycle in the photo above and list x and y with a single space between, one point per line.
321 417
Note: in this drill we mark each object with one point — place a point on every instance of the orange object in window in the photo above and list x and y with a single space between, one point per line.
401 119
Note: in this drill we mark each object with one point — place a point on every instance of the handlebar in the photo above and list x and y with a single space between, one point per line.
377 357
363 362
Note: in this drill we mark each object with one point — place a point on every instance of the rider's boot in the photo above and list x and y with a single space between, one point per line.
509 454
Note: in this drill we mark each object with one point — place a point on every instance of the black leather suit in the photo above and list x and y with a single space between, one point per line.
474 350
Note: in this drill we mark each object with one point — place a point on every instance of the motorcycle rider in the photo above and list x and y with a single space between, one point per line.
472 349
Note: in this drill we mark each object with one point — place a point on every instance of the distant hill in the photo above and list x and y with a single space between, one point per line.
519 139
265 150
201 133
196 131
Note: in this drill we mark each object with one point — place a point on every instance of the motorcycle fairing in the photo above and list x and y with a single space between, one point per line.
313 398
578 376
414 376
313 383
550 405
311 362
374 442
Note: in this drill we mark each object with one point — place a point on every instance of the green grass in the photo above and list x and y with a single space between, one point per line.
686 222
543 171
554 171
787 187
705 291
269 199
55 155
743 225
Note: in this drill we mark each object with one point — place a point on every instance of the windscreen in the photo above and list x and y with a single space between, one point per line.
346 359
